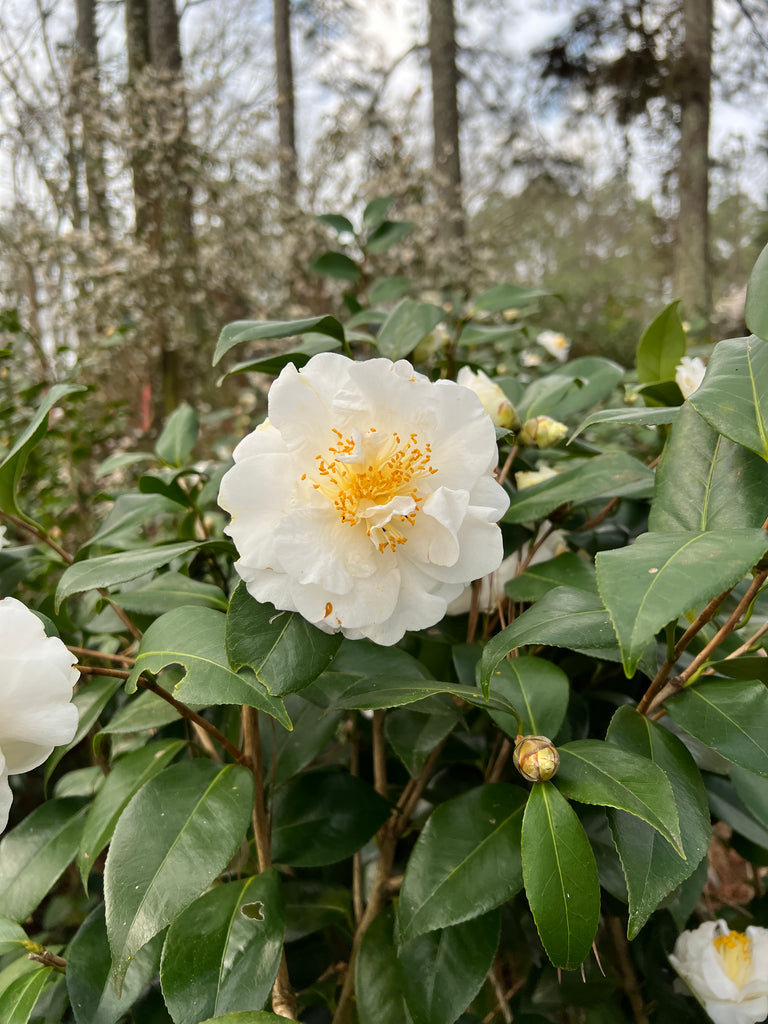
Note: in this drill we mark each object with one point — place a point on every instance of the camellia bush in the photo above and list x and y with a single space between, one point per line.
426 706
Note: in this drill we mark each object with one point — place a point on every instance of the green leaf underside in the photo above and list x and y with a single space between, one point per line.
466 861
756 306
257 330
222 953
407 324
613 475
171 590
208 678
537 689
652 870
594 772
662 575
299 355
574 386
373 692
723 486
729 715
661 347
733 398
640 417
199 813
560 877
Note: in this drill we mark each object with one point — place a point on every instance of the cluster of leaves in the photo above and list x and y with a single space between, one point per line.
257 821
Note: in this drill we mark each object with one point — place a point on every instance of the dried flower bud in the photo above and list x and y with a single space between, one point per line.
542 432
536 758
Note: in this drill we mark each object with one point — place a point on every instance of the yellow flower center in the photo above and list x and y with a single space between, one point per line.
359 476
735 951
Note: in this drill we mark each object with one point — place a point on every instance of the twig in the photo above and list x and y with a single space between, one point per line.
508 463
598 517
22 525
87 652
379 754
502 1000
627 970
253 759
495 770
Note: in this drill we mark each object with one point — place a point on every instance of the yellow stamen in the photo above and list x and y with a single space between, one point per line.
735 951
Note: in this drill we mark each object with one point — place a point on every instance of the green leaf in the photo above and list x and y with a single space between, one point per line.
413 733
566 570
199 813
129 514
466 860
285 651
310 906
375 212
388 233
17 1002
756 306
378 981
592 379
636 416
733 398
89 984
147 711
408 324
11 935
249 1017
179 436
725 804
13 464
507 296
661 347
604 476
560 877
195 639
90 700
336 265
388 288
35 853
443 971
125 779
706 482
662 575
753 792
299 355
729 715
338 222
171 590
222 953
594 772
372 692
652 870
323 817
256 330
537 690
108 570
294 750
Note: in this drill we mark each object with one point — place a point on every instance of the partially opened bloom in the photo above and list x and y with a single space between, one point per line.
36 680
495 402
689 373
367 501
727 971
555 343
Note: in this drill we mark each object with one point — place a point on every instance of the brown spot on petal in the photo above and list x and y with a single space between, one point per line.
328 610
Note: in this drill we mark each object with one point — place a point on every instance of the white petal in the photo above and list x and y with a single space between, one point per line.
6 797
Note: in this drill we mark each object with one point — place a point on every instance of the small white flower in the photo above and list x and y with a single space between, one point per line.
530 477
555 343
4 542
530 359
368 502
726 971
689 374
36 680
495 402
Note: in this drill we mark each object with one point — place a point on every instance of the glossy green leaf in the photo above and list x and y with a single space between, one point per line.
753 792
335 265
756 306
637 416
323 817
729 715
171 590
388 288
537 689
294 750
222 953
407 324
125 779
466 860
179 436
560 877
284 650
566 570
35 853
199 813
299 355
375 212
249 1017
13 464
338 222
413 733
652 870
593 379
733 398
661 346
17 1002
507 296
256 330
89 984
388 233
662 575
604 476
725 803
594 772
130 514
11 935
706 482
443 971
378 980
374 692
147 711
310 906
195 639
109 570
90 700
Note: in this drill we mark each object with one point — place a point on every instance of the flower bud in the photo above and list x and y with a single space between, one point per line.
495 402
689 373
536 758
542 432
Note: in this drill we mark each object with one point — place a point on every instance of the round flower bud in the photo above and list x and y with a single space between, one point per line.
495 402
542 432
536 758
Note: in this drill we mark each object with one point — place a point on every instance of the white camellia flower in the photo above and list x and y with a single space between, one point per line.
689 373
530 477
36 680
495 402
4 542
555 343
726 971
367 501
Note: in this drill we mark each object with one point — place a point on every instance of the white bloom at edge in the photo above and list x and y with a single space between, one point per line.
530 477
555 343
689 373
368 502
4 542
36 681
495 402
726 971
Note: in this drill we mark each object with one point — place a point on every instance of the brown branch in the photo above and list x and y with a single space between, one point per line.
379 754
41 536
598 517
88 652
252 755
627 970
508 463
495 771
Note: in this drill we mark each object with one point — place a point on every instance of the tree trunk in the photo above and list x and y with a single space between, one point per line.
445 112
87 102
285 104
692 255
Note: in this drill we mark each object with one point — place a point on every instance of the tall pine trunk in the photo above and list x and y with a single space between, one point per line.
286 126
445 113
